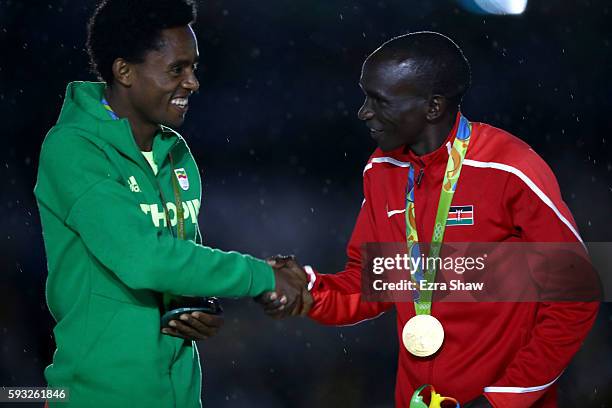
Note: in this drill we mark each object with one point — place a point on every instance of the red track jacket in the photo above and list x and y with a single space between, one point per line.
513 352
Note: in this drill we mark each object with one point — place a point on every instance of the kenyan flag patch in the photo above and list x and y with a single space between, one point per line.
181 175
460 215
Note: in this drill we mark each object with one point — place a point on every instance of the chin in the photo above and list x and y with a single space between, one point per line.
174 124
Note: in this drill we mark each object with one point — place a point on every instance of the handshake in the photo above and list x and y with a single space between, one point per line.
290 296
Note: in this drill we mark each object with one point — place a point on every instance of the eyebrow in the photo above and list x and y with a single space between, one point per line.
373 93
185 61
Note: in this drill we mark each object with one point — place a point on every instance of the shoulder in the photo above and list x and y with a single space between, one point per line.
71 144
72 155
498 149
70 165
394 158
495 144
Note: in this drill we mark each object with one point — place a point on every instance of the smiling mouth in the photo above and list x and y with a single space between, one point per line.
182 104
375 133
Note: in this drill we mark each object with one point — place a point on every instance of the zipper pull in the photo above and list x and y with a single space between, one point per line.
420 176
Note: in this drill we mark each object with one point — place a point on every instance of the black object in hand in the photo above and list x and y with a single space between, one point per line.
180 305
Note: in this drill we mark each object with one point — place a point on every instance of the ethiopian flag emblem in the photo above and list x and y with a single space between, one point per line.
181 175
460 215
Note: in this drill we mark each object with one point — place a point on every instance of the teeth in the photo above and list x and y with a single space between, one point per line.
182 102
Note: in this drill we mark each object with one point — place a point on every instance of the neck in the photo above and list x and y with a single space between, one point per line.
433 136
143 131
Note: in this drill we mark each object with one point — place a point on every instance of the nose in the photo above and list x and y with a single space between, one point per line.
191 83
365 112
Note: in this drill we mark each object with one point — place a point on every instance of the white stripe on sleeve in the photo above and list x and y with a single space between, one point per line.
530 184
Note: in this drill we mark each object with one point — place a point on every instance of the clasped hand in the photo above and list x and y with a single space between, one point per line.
290 296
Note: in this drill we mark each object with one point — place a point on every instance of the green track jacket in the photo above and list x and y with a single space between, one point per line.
111 255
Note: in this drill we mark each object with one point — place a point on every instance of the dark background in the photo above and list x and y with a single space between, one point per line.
274 129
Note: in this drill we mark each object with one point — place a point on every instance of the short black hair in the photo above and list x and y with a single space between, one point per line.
441 66
128 29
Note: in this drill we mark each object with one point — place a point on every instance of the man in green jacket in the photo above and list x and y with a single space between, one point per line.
119 194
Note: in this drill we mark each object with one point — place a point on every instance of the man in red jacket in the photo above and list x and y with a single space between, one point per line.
492 354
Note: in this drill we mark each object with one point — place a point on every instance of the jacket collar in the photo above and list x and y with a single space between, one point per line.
440 154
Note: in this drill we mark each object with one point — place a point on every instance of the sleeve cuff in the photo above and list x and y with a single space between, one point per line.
262 278
312 276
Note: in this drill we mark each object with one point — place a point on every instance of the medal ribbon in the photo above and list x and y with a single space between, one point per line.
422 299
180 211
109 109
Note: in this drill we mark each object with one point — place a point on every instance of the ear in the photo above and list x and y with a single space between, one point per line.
436 108
123 72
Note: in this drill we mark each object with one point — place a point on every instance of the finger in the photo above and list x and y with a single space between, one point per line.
276 259
274 305
172 333
307 304
209 319
274 309
202 328
267 297
275 301
292 305
278 311
186 330
297 307
280 257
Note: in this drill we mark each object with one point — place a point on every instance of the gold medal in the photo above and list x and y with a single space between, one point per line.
423 335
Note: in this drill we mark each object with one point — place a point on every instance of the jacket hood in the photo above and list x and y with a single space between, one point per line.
83 110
